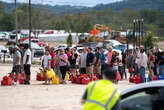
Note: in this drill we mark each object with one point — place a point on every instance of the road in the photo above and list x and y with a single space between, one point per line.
43 97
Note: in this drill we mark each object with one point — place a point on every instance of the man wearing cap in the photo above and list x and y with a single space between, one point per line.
102 94
16 63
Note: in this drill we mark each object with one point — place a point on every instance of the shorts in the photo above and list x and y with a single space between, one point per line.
89 69
73 66
16 69
27 69
97 70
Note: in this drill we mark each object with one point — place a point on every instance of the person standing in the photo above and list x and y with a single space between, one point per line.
47 64
57 66
90 62
102 94
27 64
161 64
72 61
156 63
109 56
97 64
52 53
143 60
151 64
103 60
21 46
16 64
63 64
130 62
82 63
123 68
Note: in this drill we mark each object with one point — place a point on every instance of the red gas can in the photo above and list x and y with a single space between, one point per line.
132 79
73 78
137 79
5 78
4 82
85 80
155 77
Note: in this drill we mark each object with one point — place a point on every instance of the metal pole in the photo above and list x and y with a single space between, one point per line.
139 33
142 32
16 23
127 42
30 23
134 35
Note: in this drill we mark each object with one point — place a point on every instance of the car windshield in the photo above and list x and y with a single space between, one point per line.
149 99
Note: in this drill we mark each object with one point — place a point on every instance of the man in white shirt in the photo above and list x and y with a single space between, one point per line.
82 63
27 63
143 64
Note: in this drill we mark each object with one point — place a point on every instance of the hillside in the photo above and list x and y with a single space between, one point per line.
117 6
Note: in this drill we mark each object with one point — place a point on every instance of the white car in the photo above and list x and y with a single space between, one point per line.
80 50
62 46
2 49
112 43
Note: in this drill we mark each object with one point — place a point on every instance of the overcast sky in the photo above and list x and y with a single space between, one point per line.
67 2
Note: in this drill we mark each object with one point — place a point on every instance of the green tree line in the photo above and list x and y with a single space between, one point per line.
83 22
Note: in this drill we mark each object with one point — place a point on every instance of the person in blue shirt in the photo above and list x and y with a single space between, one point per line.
103 60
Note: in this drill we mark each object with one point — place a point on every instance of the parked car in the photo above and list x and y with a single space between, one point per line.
62 46
4 49
79 50
122 47
42 44
112 43
38 51
146 96
4 35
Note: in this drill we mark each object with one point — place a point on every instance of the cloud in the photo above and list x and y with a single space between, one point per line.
66 2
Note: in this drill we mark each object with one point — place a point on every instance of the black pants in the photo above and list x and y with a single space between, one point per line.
63 70
82 70
27 69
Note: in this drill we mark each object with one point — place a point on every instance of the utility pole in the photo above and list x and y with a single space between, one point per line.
30 23
16 23
134 33
139 32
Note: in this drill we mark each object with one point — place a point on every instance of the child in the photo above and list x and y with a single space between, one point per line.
46 64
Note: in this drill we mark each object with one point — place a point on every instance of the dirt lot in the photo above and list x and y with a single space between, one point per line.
43 97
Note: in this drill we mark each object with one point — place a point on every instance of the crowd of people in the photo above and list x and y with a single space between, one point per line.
90 61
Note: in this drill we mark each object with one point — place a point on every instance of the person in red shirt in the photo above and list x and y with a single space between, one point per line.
109 56
68 52
151 63
52 58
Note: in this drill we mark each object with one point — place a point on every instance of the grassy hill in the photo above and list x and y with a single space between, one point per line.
117 6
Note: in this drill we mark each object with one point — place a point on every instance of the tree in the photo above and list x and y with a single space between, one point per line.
69 41
149 15
7 22
149 41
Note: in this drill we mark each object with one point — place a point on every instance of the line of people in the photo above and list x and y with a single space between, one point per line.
140 61
89 62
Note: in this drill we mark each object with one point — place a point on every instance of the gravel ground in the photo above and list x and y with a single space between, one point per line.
43 97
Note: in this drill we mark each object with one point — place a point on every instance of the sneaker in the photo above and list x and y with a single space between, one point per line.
28 83
25 82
